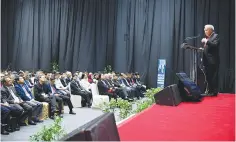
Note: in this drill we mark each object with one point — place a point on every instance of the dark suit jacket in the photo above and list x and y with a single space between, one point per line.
108 83
64 83
125 81
75 88
116 83
6 95
39 89
102 88
21 92
211 51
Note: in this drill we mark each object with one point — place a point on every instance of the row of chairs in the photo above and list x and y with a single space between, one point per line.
97 98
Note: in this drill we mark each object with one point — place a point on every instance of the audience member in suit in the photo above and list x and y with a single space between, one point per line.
128 94
122 93
16 111
60 97
8 95
68 77
28 82
132 83
40 93
77 90
25 94
134 92
104 89
63 80
59 86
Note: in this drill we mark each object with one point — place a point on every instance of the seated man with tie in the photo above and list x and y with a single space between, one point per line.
25 94
76 89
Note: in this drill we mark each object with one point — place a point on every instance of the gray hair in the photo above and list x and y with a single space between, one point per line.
209 27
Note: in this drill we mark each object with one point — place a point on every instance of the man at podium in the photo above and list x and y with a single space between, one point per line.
211 59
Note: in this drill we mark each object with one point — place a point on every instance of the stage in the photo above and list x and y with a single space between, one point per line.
213 119
69 122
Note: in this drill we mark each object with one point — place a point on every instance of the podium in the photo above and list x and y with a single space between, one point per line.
194 68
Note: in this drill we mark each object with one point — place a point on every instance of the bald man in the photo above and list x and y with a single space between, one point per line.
211 59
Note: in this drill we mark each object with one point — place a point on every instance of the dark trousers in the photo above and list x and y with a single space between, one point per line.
51 100
110 95
37 108
5 114
212 77
121 93
18 112
28 109
66 99
86 97
60 103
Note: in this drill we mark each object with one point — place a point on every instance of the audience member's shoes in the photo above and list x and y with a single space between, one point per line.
3 129
23 124
72 112
38 121
89 105
32 123
52 117
17 128
9 130
4 132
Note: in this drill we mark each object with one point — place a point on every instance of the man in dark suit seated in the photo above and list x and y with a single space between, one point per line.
121 92
122 80
127 94
8 95
40 93
104 89
59 96
25 94
63 80
77 90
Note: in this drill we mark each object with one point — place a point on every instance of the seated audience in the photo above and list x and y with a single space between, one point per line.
8 95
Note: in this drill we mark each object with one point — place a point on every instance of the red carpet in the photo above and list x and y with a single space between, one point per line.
213 119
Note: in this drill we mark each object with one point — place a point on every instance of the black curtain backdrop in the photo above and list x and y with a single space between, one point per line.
129 35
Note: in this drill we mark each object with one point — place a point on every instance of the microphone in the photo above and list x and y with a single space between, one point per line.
193 37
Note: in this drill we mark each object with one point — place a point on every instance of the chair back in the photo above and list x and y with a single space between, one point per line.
94 89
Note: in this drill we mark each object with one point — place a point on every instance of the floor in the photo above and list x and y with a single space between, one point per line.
70 122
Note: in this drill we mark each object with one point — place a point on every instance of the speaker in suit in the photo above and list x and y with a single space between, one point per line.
211 59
